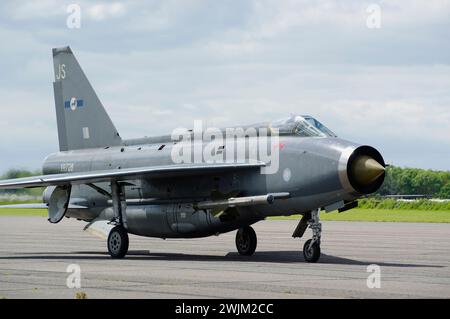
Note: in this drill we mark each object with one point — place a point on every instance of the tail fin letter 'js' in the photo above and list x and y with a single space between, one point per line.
82 120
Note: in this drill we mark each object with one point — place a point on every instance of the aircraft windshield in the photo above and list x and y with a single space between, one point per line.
319 126
305 126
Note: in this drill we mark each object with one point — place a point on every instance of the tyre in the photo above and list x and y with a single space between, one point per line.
311 254
118 242
246 241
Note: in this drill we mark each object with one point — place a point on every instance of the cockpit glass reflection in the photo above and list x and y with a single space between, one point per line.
304 126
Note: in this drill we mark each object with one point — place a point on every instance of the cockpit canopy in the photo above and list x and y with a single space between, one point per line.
302 125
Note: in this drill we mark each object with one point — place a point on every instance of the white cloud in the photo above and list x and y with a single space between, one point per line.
272 17
394 119
31 10
161 64
105 11
46 9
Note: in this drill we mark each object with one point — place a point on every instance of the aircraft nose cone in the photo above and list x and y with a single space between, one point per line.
365 170
361 170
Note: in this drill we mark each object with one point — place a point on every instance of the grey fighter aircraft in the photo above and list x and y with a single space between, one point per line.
134 186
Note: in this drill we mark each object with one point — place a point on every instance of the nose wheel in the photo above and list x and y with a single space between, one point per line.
246 241
311 249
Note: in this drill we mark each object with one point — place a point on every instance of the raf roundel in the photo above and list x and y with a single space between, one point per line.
287 174
73 104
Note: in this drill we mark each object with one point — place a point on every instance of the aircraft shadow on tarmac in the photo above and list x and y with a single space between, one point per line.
262 256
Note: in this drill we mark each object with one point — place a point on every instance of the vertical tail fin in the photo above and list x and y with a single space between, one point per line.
82 119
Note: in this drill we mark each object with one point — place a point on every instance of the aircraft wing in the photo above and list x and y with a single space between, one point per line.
37 206
162 171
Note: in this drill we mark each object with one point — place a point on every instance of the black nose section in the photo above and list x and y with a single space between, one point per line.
366 170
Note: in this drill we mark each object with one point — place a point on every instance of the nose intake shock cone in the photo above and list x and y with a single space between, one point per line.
365 170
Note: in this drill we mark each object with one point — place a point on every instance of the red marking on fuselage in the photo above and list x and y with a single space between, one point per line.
280 146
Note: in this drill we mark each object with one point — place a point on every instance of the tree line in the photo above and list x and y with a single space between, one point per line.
415 181
19 173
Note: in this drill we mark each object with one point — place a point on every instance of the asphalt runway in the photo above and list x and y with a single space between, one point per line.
413 258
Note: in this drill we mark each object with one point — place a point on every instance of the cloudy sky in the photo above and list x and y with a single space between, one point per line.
161 64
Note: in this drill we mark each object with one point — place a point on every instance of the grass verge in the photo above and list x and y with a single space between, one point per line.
382 215
357 214
23 212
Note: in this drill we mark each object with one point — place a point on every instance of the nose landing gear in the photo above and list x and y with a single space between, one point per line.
311 248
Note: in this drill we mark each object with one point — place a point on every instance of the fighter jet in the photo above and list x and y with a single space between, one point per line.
159 186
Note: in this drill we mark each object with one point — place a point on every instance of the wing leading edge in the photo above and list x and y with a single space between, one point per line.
162 171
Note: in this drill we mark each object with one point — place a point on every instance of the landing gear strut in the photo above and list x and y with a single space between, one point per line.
311 249
246 241
118 236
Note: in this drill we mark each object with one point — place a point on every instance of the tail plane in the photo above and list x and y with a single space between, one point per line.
82 119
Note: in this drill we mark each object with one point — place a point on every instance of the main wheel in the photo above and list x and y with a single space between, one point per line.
311 254
246 241
118 242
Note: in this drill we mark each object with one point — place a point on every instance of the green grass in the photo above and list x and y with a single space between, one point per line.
357 214
18 202
383 215
23 212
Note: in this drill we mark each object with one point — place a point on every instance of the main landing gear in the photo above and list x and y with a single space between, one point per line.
118 242
246 241
118 236
311 248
